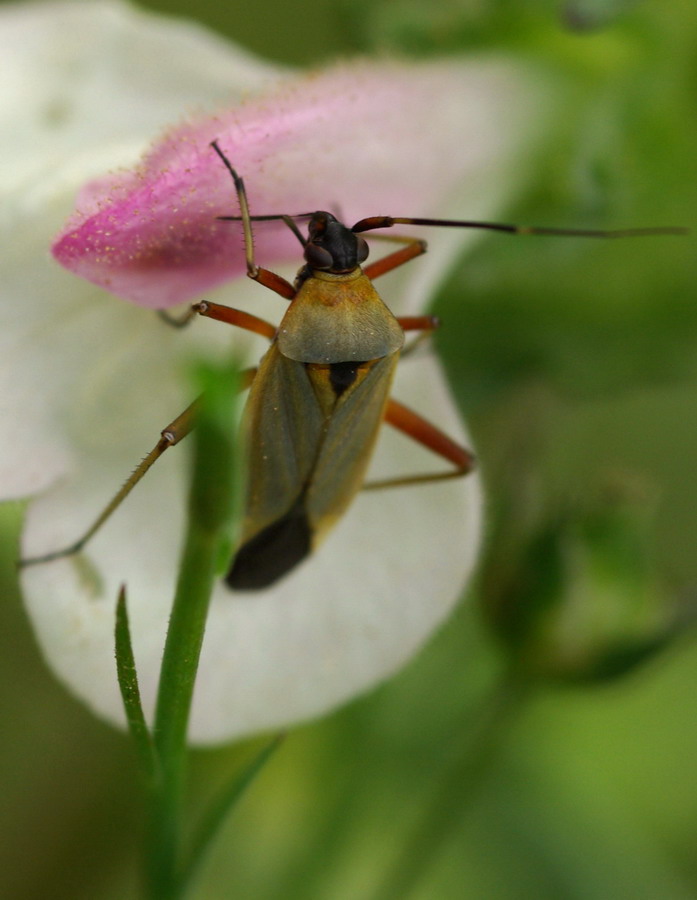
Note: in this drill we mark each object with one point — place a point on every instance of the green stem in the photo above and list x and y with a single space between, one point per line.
177 679
456 787
211 504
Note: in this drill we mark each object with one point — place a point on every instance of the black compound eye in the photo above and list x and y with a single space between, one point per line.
318 257
362 249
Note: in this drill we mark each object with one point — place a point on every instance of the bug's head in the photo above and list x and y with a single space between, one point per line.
331 246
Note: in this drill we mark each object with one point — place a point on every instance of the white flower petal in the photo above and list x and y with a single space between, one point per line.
85 86
344 620
87 382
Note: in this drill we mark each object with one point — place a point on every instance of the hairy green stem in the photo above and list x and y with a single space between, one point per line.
211 504
177 679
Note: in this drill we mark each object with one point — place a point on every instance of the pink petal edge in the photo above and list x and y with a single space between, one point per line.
373 138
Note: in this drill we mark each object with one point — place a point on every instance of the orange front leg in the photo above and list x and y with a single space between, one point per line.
220 313
236 317
414 247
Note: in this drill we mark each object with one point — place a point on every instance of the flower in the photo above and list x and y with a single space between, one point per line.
89 380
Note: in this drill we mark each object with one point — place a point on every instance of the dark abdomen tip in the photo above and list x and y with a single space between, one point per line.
271 553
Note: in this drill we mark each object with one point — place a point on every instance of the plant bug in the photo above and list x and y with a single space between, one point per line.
322 390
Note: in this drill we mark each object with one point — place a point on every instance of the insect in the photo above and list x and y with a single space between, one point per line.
322 390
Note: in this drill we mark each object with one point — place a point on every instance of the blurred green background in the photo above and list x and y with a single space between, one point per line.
575 363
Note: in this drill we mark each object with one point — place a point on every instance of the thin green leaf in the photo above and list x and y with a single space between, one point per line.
223 804
130 692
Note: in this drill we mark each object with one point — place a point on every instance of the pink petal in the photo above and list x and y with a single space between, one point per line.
362 139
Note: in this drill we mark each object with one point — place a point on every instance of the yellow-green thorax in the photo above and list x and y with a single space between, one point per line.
338 318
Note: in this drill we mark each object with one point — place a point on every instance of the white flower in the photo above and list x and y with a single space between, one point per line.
88 380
